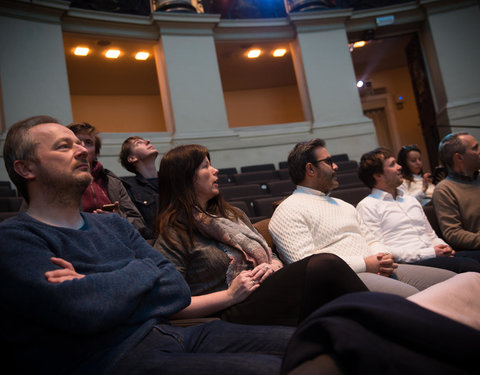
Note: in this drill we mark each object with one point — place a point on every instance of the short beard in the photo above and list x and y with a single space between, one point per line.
66 192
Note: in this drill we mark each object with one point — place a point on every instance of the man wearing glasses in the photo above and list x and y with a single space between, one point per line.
310 222
456 198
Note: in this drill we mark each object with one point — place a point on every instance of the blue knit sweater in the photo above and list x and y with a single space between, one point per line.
84 325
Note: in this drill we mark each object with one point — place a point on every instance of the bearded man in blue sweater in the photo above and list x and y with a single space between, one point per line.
85 294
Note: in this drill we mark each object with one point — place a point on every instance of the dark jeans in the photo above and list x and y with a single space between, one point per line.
474 254
216 347
461 262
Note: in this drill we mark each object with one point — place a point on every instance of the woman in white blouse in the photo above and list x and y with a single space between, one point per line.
415 182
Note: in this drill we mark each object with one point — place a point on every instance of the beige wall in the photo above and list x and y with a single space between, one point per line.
398 82
263 106
120 114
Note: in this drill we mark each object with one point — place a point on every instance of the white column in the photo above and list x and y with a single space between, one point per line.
336 110
454 29
189 76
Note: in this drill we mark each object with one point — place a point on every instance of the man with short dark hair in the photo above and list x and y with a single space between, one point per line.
84 293
310 222
106 188
138 156
456 198
397 219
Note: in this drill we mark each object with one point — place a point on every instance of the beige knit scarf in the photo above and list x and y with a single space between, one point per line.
244 245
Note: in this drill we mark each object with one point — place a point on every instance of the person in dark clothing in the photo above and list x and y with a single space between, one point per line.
106 188
138 156
85 294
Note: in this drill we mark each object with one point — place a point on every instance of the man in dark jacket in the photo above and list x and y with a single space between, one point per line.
138 156
85 294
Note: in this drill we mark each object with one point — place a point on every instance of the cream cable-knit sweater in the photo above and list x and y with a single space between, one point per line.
309 222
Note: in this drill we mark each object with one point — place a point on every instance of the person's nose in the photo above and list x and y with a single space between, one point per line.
82 152
334 167
215 171
147 141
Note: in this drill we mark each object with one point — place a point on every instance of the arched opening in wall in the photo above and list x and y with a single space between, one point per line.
115 94
259 90
384 65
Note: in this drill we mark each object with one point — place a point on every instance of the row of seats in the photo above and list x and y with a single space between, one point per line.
6 189
228 177
259 203
337 158
10 203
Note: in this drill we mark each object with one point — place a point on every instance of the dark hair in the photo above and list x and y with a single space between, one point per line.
19 145
402 160
372 163
177 198
301 154
126 152
86 128
449 146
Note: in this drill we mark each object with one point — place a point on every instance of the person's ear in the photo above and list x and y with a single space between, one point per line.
458 156
309 170
132 159
377 177
24 169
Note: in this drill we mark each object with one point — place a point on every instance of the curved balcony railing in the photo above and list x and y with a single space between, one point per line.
229 8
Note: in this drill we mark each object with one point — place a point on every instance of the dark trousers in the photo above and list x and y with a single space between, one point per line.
216 347
459 263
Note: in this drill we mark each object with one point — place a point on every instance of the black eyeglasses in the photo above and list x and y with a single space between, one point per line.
328 161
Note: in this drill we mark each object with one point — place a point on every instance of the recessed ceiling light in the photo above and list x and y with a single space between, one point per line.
142 55
112 53
359 44
279 52
360 84
81 51
254 53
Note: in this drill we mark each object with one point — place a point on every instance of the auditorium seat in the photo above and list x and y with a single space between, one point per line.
257 167
340 157
347 166
283 174
258 177
349 180
228 171
248 209
351 195
281 187
432 218
266 206
238 191
10 204
283 165
223 179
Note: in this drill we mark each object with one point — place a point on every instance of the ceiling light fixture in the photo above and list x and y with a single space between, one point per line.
112 53
81 51
254 53
279 52
142 55
359 44
360 84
